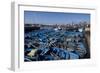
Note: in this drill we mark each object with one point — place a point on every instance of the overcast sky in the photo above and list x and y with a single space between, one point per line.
32 17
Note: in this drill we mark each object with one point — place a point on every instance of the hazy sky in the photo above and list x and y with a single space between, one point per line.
31 17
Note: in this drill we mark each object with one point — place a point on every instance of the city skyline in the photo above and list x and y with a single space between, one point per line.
37 17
